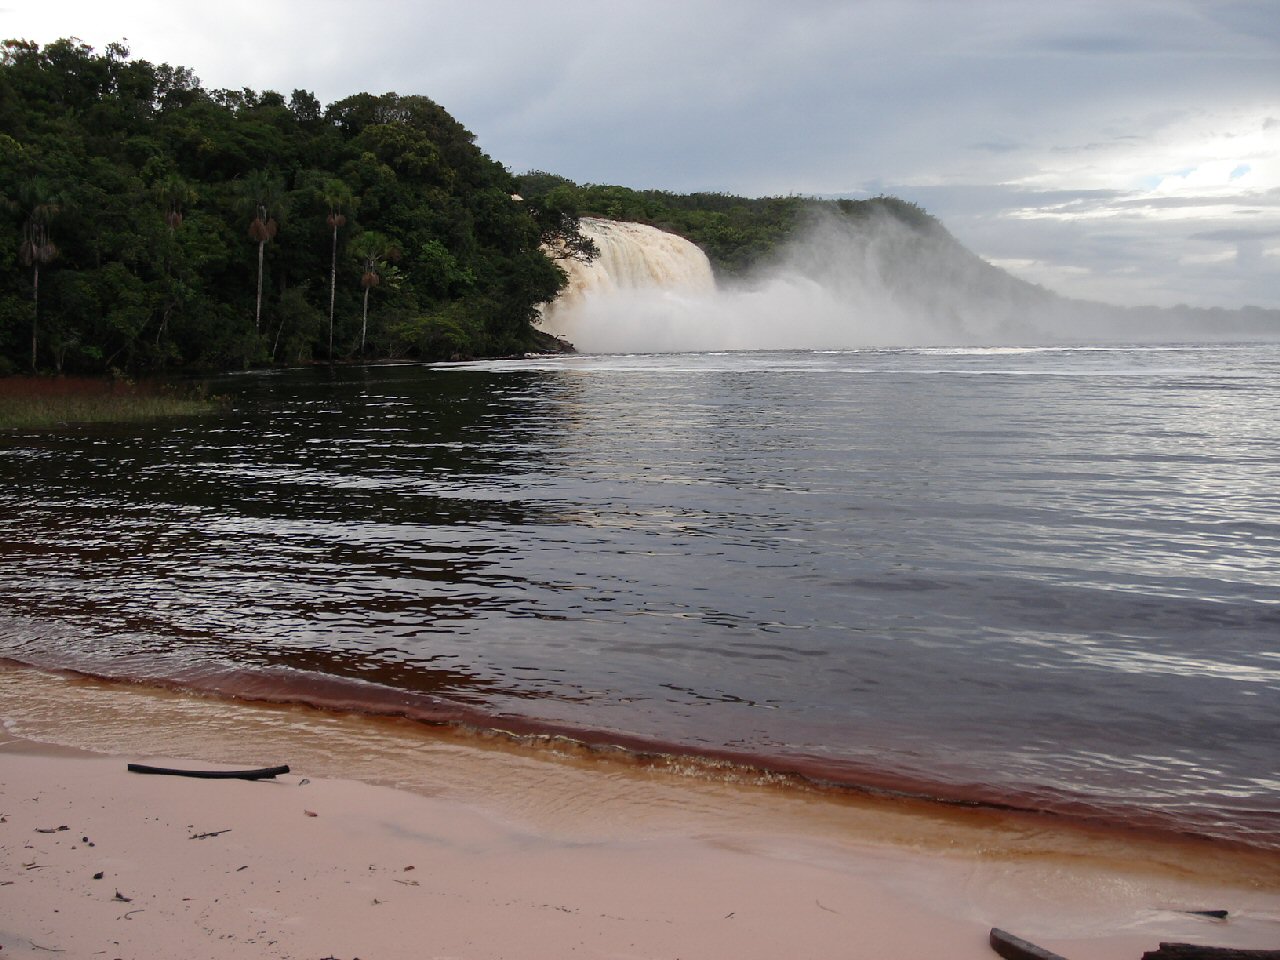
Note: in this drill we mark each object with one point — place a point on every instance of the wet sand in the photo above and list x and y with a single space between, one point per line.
389 841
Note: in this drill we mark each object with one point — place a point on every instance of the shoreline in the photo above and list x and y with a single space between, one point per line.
530 856
440 717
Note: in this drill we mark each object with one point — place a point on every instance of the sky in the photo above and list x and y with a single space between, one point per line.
1126 151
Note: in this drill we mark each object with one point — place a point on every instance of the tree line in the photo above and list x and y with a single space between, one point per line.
736 233
150 224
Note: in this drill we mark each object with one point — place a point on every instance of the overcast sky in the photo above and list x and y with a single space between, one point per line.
1126 150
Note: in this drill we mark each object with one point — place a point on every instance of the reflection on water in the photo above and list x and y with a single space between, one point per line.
1048 573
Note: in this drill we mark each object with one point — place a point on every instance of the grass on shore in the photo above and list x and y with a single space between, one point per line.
37 403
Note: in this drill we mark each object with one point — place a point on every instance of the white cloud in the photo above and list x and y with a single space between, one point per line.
1218 256
1201 153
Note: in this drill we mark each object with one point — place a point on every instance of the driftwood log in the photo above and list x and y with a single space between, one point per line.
1015 948
1193 951
262 773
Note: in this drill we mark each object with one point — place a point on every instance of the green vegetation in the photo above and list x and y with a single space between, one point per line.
150 224
41 403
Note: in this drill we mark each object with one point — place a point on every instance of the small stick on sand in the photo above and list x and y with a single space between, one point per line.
1193 951
261 773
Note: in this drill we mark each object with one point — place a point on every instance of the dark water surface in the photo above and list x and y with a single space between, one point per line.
1042 577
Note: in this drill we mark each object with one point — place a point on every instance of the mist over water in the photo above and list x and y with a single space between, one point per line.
842 283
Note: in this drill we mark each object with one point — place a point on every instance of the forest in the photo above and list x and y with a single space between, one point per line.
149 224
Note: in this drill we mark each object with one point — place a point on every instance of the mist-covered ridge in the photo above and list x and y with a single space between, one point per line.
803 273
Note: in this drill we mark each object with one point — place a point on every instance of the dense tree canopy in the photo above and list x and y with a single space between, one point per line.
150 223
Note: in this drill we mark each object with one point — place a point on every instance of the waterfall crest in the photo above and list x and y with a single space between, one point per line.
635 259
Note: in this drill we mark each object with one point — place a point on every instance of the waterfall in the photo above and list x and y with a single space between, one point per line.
636 261
838 283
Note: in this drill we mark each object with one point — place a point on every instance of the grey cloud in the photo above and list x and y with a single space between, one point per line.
1174 203
1097 43
996 146
1095 145
994 198
1251 19
1236 236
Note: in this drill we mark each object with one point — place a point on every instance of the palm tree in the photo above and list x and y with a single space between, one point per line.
173 193
263 195
336 196
35 249
372 251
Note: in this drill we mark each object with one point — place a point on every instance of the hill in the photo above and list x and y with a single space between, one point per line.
891 253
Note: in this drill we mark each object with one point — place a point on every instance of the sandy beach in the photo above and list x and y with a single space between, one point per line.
440 847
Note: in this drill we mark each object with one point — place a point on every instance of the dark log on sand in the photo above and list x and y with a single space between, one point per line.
1013 948
1193 951
262 773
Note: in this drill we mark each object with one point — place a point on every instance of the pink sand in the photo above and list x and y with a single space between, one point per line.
582 863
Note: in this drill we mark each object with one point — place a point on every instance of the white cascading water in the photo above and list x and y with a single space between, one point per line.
838 284
635 261
651 291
